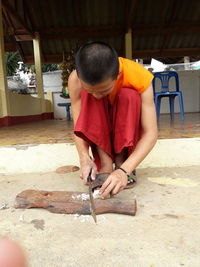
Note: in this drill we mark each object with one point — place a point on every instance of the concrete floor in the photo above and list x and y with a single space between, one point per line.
48 157
164 232
61 131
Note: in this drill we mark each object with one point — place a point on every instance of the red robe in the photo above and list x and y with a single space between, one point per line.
110 127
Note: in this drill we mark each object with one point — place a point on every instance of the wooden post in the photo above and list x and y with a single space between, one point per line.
4 97
50 98
38 70
186 61
128 44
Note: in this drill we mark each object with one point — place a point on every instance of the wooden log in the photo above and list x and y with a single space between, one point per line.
72 202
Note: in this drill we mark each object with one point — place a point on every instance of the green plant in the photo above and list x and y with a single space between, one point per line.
12 59
49 67
45 67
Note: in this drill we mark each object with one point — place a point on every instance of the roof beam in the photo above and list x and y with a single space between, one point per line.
82 32
10 26
17 46
130 9
14 16
9 47
151 29
21 35
48 59
110 30
107 31
174 52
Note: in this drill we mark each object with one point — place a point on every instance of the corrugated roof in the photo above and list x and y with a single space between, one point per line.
159 28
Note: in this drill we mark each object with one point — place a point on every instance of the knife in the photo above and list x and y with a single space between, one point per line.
92 206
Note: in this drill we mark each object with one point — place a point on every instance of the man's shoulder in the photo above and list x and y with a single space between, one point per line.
132 67
126 61
74 85
73 78
134 75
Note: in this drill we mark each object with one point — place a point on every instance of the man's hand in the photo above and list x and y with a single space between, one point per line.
116 182
86 165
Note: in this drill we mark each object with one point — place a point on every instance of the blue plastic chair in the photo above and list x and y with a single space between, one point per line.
67 106
165 92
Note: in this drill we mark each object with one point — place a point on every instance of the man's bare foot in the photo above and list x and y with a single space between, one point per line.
106 161
132 177
121 157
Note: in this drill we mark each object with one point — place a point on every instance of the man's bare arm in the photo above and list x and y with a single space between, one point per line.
86 163
74 89
117 180
149 136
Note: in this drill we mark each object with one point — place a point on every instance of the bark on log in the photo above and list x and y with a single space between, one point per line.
72 202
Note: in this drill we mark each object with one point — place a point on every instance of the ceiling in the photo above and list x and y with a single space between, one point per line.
160 28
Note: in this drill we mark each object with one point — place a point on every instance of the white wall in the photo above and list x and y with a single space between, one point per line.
59 112
24 105
190 87
52 81
30 159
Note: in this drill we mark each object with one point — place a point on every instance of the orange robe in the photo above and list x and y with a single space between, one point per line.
113 122
132 75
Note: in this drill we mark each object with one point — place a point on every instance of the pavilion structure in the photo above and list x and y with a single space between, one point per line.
43 30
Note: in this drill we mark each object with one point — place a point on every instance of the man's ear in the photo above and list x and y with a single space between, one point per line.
118 76
76 73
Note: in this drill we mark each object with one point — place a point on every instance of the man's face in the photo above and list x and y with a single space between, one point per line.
99 90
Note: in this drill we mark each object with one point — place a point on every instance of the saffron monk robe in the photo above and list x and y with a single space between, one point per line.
114 114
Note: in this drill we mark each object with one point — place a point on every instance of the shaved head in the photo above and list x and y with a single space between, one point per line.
96 62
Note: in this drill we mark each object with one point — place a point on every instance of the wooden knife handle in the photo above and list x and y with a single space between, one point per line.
114 205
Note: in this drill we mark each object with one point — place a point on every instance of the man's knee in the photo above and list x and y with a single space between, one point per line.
129 95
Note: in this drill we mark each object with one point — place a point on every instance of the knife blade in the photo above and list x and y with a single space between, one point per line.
92 206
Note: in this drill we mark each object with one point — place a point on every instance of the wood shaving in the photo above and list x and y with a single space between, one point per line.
82 196
96 193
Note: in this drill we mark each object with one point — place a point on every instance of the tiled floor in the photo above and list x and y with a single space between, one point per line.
188 128
61 131
39 132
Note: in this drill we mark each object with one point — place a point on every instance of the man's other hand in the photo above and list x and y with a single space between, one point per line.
116 182
86 166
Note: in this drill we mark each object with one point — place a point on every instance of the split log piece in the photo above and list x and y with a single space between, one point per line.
72 202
